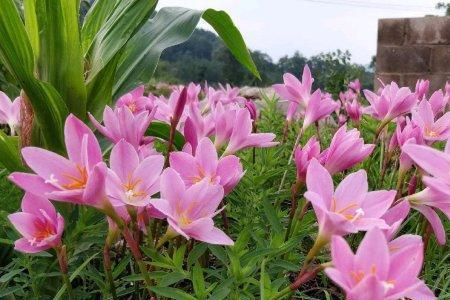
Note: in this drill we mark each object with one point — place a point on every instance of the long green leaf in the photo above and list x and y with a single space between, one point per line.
9 153
172 26
61 60
127 17
17 55
94 20
172 293
31 24
162 131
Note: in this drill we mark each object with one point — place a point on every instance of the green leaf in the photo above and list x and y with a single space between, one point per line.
31 24
196 252
95 18
225 28
272 216
74 275
171 278
162 130
198 281
61 61
172 293
178 256
172 26
9 153
219 252
126 18
17 56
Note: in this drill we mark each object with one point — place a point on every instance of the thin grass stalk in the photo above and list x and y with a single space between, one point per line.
291 157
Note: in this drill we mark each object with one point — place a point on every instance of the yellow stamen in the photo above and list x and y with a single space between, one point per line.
76 182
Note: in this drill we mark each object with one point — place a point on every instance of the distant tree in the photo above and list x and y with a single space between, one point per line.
443 5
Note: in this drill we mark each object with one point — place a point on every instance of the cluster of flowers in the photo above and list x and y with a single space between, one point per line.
138 185
188 186
384 267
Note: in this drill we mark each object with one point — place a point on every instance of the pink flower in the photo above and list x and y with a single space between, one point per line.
10 112
391 103
349 209
422 87
169 108
121 123
79 179
242 136
438 102
346 150
251 106
432 130
317 108
303 156
354 110
295 91
409 133
39 224
135 101
193 91
229 95
226 171
131 181
355 86
394 217
190 211
437 195
197 126
376 272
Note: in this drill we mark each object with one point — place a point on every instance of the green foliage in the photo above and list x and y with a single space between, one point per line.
63 69
260 263
205 58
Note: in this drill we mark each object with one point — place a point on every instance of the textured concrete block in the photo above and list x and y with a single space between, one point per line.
440 59
437 81
391 32
428 30
408 59
410 79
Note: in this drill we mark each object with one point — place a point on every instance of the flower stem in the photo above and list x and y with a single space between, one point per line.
61 253
291 157
134 247
294 191
107 267
400 183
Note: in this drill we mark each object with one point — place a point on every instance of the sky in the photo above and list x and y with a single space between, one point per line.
281 27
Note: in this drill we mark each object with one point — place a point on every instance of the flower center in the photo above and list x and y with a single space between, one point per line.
347 210
431 133
130 186
44 229
78 181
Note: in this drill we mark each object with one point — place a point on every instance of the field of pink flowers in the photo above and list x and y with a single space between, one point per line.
208 195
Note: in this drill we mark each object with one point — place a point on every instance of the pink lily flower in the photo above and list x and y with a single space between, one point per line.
193 91
197 126
10 112
294 90
303 156
39 224
230 95
437 193
354 110
226 171
131 181
438 102
376 273
394 217
391 103
136 101
355 86
422 87
79 179
251 106
409 134
242 136
120 123
318 108
190 211
348 209
346 150
432 130
342 120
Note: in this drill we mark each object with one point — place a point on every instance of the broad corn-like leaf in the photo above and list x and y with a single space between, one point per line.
9 153
172 26
94 20
61 59
126 19
17 55
31 24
